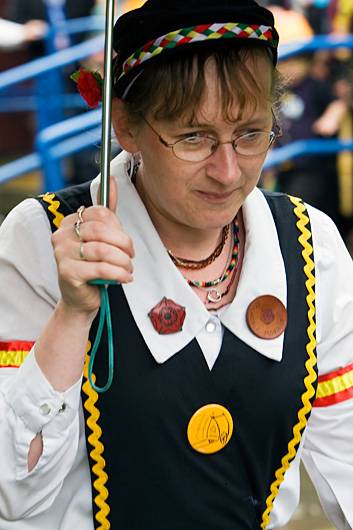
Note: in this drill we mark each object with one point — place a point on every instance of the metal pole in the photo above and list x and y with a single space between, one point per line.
105 315
107 104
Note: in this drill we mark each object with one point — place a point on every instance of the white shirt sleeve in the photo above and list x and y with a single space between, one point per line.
12 35
328 448
29 404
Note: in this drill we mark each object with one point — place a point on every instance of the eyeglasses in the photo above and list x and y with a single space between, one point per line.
199 147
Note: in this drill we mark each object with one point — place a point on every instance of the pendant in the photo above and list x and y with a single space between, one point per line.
214 296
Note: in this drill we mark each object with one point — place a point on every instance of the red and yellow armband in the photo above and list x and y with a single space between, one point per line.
335 387
13 353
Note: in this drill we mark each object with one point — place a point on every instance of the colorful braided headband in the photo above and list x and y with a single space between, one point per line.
200 33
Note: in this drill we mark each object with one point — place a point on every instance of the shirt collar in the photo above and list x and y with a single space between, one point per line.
156 277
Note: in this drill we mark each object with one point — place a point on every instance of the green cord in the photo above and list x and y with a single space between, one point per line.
104 316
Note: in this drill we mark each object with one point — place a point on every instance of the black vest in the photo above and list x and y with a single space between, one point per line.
145 475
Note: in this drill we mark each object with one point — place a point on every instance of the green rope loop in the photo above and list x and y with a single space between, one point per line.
104 317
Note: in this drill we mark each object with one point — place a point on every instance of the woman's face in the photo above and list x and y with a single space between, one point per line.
208 194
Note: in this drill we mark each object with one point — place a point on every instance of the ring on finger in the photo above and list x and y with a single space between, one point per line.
77 226
81 252
79 221
80 211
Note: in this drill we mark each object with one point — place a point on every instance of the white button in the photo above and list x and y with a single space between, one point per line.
45 409
211 326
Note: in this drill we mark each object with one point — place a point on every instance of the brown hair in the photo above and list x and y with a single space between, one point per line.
174 88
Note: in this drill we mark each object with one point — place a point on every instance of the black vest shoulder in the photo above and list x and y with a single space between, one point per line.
64 202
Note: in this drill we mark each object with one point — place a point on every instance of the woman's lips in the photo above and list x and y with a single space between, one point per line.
215 197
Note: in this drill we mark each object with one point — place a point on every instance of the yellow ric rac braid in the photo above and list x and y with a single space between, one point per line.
90 406
97 452
53 208
304 240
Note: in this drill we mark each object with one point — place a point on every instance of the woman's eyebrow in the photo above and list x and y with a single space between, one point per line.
196 125
258 121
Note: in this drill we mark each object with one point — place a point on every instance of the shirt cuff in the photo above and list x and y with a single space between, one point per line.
36 403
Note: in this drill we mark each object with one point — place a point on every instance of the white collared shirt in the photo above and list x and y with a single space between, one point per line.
57 494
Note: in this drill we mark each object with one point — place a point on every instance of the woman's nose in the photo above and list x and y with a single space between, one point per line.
224 164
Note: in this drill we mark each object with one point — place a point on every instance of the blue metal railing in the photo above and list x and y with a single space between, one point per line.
48 75
57 142
30 103
20 166
328 42
304 148
58 59
81 51
53 144
74 134
49 63
50 101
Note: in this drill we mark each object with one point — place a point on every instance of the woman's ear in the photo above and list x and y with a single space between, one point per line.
123 131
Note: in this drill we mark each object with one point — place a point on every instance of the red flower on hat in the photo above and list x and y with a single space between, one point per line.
89 85
167 317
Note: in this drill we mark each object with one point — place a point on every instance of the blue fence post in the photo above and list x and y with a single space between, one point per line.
50 99
51 167
62 139
49 90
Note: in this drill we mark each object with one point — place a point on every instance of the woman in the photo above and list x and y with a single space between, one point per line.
214 320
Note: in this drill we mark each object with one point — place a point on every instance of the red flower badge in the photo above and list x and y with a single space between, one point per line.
89 85
167 317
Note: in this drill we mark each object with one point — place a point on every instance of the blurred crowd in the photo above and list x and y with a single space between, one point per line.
316 100
316 104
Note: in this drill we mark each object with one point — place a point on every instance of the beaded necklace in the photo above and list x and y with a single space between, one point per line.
196 265
229 269
214 296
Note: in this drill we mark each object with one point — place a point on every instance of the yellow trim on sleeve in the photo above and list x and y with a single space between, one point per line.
304 239
12 358
336 385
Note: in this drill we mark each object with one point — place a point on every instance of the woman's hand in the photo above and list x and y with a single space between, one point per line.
101 251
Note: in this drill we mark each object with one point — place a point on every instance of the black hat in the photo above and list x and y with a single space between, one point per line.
161 27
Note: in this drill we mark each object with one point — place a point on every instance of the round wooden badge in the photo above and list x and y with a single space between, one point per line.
266 317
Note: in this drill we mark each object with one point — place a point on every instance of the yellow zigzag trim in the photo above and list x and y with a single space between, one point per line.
310 379
97 451
53 208
92 398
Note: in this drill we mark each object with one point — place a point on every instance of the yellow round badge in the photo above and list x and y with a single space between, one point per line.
210 429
